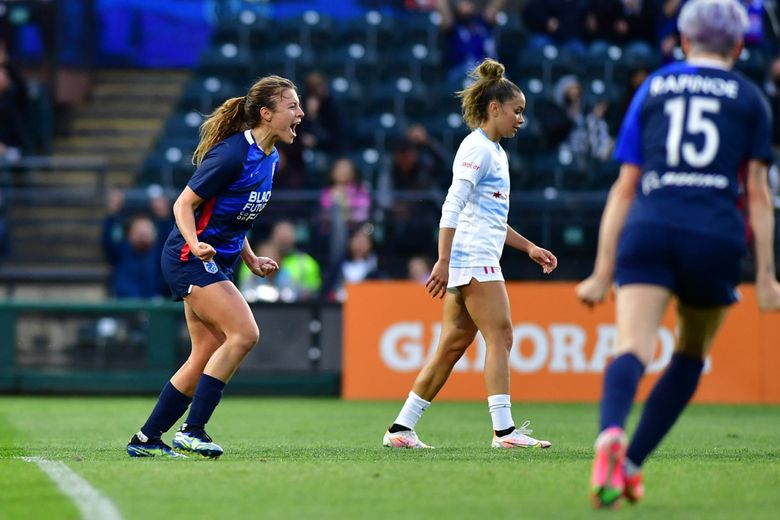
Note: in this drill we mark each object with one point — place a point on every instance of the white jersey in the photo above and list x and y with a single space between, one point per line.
482 225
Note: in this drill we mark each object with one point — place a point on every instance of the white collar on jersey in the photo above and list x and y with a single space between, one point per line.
710 63
248 136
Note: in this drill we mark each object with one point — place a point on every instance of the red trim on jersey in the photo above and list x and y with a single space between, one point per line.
203 221
486 271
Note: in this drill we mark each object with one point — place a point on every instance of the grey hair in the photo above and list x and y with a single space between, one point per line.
713 26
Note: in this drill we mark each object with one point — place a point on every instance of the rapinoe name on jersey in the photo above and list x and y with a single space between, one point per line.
694 84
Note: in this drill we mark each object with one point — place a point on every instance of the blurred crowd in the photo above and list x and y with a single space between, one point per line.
374 192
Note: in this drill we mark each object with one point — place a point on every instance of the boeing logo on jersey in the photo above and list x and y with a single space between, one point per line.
694 84
651 180
471 165
254 205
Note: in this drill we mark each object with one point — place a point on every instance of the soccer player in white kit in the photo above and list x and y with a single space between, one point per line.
472 234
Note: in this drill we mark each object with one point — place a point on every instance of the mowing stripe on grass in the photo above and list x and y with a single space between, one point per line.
88 500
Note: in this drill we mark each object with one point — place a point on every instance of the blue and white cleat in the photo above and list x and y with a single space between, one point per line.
196 441
150 448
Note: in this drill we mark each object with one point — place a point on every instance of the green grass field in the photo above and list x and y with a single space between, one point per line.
296 458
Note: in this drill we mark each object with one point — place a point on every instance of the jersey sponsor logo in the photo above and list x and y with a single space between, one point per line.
652 181
254 205
694 84
210 267
499 195
472 166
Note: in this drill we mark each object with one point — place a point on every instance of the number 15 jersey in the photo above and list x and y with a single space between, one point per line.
691 127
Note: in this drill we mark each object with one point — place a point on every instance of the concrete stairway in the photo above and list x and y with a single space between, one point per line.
55 213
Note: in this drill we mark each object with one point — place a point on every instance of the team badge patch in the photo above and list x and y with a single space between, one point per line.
210 267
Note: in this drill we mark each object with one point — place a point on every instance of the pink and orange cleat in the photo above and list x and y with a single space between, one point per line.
634 489
608 482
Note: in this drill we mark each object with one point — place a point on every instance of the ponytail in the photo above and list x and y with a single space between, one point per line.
224 121
489 84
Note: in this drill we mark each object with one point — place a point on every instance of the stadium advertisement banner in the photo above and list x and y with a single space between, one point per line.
560 347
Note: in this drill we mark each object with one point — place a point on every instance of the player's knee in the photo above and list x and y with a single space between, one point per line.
504 337
247 337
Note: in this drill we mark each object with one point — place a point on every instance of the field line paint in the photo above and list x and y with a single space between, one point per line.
90 502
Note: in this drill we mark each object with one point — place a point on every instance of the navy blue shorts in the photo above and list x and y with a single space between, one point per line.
701 270
182 276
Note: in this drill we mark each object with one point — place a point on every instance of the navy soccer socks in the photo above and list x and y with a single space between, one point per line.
170 406
620 382
204 401
664 405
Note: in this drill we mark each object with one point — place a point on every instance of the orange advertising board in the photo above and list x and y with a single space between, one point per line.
560 347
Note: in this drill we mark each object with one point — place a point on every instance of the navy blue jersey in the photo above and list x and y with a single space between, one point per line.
691 129
234 180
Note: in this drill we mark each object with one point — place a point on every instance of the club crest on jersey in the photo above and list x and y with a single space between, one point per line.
210 267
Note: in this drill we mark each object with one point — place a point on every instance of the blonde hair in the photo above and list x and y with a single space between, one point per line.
489 84
240 113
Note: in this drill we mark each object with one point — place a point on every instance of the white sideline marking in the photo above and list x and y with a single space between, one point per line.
89 501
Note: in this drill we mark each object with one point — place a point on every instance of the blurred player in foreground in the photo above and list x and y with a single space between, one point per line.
236 160
472 234
672 227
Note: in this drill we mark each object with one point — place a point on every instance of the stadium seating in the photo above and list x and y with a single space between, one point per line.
386 72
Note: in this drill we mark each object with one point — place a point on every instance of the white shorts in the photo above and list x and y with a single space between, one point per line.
460 276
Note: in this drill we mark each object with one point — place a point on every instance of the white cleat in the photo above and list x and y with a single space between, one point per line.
404 439
519 439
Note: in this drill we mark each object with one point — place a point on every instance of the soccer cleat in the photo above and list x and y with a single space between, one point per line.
607 481
196 441
404 439
519 438
634 489
151 448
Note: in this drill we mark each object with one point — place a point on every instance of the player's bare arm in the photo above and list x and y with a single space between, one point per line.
762 221
184 213
594 288
541 256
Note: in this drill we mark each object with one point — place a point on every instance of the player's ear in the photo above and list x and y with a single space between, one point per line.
265 114
737 50
685 44
493 108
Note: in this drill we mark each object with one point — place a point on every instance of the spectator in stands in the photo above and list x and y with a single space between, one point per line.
360 263
266 289
133 248
322 127
589 135
419 269
417 169
291 170
668 37
636 77
754 36
556 22
621 22
470 33
345 198
12 126
417 162
302 271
